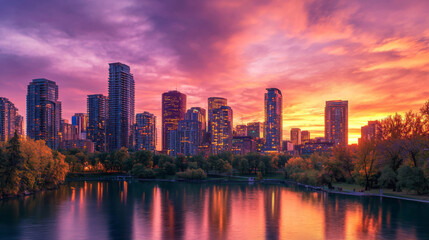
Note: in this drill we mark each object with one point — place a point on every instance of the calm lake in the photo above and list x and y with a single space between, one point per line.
164 210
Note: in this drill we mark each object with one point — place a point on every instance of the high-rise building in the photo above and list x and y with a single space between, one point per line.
222 126
305 137
80 120
336 122
198 114
145 131
273 128
184 140
241 130
213 103
295 136
10 120
371 132
97 107
173 111
120 127
255 130
43 112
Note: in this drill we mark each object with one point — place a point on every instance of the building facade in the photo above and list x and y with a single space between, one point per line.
43 112
80 120
295 136
336 122
10 120
97 108
371 132
120 127
213 103
198 114
273 129
305 136
255 130
173 111
222 126
242 145
241 130
68 131
184 140
145 134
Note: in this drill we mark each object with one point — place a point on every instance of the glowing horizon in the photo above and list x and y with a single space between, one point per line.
373 54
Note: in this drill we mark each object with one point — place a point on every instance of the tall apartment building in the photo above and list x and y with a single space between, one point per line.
273 120
145 134
120 127
173 111
10 120
295 136
97 110
336 122
43 112
80 120
255 130
222 126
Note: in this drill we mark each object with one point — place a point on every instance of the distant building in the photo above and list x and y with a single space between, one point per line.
305 137
185 139
145 134
68 131
273 120
213 103
120 127
198 114
295 136
288 146
255 130
80 120
97 107
371 132
315 147
10 120
43 112
222 126
336 122
173 111
81 144
242 145
241 130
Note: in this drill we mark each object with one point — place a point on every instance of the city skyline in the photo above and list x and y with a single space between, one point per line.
315 53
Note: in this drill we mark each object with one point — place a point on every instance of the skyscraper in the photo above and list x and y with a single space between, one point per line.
295 136
145 131
10 120
120 127
97 107
214 103
173 111
305 136
80 120
273 120
336 122
255 130
241 130
43 112
222 126
371 132
198 114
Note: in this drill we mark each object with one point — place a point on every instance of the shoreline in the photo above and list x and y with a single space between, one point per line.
121 177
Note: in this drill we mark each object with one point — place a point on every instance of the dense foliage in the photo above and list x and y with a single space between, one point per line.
28 165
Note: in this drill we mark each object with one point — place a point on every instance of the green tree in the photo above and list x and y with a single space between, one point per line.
412 179
388 178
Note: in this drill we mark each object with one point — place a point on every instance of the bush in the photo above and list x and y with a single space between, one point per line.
140 171
412 179
192 174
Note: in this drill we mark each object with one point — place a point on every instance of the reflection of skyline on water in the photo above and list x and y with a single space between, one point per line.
162 210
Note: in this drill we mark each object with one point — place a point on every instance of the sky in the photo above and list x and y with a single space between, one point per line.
375 54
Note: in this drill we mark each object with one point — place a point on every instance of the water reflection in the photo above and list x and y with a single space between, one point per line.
148 210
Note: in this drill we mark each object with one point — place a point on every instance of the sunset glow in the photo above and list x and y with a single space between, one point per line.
372 53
